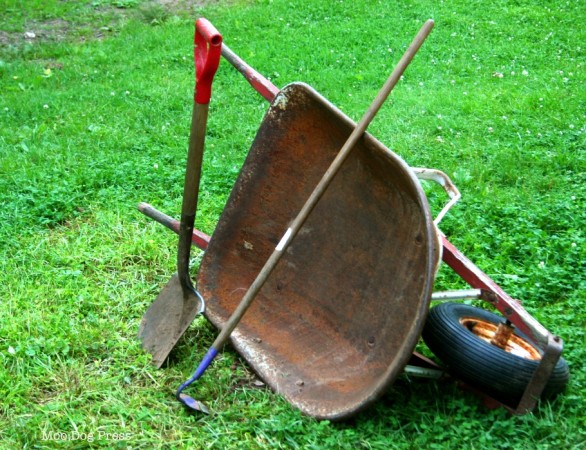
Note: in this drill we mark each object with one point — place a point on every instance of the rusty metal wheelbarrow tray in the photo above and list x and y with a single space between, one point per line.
339 317
360 370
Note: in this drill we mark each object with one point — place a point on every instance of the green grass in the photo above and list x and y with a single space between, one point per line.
94 117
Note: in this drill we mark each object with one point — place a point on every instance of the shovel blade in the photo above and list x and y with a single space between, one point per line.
167 319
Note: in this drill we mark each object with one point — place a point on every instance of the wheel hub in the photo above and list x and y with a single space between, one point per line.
515 344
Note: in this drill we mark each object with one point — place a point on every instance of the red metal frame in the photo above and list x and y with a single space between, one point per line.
551 345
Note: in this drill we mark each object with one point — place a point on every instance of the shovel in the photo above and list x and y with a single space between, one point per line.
178 303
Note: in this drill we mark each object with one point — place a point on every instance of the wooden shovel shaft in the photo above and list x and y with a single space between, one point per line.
322 186
191 191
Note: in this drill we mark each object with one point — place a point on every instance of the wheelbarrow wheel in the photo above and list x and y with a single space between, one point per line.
459 335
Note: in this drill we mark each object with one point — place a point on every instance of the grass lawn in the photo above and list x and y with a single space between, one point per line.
95 105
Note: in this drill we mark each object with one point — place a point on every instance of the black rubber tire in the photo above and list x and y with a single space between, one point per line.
479 363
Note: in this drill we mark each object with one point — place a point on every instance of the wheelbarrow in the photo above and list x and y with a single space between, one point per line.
339 316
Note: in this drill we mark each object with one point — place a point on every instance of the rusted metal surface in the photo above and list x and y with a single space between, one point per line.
502 337
341 313
512 309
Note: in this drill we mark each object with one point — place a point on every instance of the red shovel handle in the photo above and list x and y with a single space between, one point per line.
207 50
